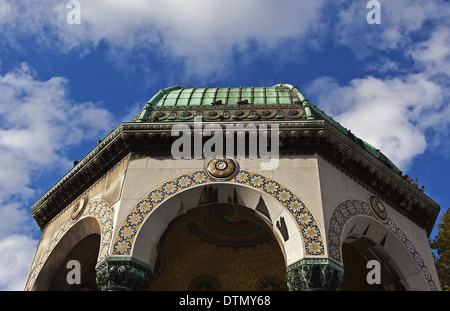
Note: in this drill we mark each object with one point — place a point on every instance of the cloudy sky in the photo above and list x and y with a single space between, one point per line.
65 85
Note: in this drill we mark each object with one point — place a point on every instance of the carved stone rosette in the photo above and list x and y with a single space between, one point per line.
123 274
314 275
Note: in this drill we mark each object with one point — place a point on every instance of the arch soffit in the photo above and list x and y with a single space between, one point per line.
95 217
343 220
306 224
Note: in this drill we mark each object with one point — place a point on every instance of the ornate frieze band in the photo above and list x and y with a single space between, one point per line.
412 250
219 112
98 209
345 210
312 237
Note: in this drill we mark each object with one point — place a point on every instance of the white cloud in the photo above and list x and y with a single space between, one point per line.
13 218
16 257
202 33
404 109
5 10
38 123
391 114
434 53
399 20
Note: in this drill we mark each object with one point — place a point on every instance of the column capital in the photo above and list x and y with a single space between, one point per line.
314 274
123 273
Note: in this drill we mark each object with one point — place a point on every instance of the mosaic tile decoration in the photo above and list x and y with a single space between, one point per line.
98 209
312 237
345 210
341 214
410 247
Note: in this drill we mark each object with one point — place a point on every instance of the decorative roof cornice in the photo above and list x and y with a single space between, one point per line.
379 177
296 137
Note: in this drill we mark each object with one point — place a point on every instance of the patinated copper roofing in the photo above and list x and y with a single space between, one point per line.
281 102
180 97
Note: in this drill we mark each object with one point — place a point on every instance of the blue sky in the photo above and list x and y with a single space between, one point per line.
64 86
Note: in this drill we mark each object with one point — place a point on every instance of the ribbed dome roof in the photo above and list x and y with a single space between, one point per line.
180 96
179 103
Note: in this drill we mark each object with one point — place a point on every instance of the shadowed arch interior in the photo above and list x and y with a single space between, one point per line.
82 243
353 219
219 247
357 252
85 252
363 239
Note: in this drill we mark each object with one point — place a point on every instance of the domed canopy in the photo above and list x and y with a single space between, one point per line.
281 102
180 97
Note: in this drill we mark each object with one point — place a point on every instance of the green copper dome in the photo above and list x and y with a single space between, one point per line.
181 97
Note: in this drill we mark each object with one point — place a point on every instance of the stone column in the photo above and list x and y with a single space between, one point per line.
310 274
123 273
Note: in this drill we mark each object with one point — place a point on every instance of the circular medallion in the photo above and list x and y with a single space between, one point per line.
204 283
378 207
221 168
270 283
78 208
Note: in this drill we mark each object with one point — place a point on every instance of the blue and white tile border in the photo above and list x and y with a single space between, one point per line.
345 210
98 209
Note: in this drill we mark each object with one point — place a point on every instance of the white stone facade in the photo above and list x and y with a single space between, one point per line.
134 203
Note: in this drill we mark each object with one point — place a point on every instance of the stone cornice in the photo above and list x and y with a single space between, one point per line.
107 153
377 176
296 137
